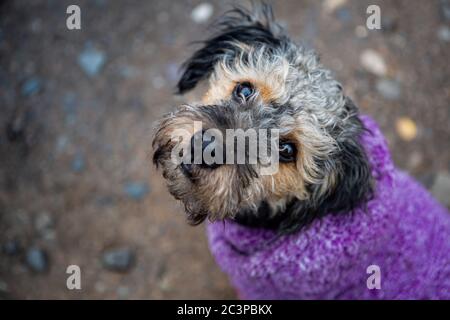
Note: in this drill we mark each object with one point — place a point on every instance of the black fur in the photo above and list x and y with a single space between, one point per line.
354 182
236 26
354 188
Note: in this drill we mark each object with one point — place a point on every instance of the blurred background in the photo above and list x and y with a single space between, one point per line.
76 111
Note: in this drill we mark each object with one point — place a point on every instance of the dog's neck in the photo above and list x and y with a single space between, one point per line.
264 217
283 221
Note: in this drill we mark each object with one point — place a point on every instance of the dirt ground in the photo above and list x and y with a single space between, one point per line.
76 111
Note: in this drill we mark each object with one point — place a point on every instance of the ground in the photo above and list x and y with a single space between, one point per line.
77 186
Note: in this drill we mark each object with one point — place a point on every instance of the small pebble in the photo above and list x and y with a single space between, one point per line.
415 160
389 89
119 259
445 9
165 284
202 12
37 260
31 86
444 34
373 62
343 14
136 190
406 128
44 224
61 144
91 61
100 287
361 31
123 292
441 188
78 163
43 221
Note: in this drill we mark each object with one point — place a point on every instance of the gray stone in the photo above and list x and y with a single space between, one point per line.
44 225
31 86
43 222
61 144
100 287
344 14
37 260
123 292
91 61
136 190
78 163
389 89
441 188
202 12
445 9
444 34
118 259
373 62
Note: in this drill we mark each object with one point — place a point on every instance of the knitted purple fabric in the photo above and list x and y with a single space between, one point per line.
403 230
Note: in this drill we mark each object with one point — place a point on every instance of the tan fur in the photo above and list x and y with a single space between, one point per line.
269 79
290 77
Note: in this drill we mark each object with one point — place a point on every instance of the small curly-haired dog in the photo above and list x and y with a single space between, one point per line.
335 208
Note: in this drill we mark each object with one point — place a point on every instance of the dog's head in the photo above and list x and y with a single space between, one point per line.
261 81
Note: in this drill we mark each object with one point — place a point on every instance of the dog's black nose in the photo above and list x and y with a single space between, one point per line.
203 151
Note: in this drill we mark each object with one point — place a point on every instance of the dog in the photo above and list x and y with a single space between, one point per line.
336 220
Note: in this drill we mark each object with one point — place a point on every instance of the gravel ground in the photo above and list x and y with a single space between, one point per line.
77 107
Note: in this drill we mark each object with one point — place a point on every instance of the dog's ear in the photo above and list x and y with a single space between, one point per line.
354 182
236 28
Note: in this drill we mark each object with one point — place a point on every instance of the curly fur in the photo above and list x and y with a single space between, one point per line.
294 93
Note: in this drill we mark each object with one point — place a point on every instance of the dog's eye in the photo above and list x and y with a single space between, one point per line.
243 91
287 152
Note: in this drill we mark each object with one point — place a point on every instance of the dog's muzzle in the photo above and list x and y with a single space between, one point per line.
199 142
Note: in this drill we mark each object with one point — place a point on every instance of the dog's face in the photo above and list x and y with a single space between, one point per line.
259 79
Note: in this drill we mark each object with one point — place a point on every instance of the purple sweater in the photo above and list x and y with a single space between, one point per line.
403 230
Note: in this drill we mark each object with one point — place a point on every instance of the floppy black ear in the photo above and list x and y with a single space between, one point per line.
354 182
236 26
